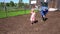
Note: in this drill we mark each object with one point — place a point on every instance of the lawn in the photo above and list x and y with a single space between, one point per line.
13 13
20 12
4 14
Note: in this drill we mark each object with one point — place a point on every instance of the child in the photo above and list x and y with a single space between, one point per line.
44 11
33 15
43 14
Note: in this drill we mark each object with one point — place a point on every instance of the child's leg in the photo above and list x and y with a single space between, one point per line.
32 21
42 15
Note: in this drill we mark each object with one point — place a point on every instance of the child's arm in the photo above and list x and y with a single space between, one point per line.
32 10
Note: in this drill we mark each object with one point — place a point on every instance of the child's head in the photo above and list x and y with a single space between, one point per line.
33 6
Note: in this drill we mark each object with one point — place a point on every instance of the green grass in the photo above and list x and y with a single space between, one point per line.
18 12
13 13
2 14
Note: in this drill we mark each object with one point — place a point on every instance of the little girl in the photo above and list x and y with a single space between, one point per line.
33 15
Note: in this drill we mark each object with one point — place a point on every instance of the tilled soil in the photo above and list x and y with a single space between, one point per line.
22 25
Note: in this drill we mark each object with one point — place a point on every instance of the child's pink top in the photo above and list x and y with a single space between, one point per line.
32 15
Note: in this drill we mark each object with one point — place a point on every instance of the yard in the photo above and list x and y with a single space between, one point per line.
22 25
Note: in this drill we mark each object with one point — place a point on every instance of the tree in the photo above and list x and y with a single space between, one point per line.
26 5
20 3
12 3
2 4
7 4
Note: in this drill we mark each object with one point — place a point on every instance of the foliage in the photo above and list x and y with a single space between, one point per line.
12 3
